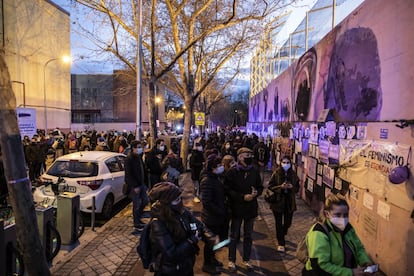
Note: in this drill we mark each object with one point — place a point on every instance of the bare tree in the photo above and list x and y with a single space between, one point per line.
186 43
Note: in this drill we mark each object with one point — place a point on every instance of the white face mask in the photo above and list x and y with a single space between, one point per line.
139 150
341 223
219 170
286 166
200 148
161 148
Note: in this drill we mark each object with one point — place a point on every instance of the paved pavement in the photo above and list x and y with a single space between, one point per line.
111 250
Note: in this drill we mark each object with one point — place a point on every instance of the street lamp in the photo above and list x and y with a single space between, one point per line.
65 59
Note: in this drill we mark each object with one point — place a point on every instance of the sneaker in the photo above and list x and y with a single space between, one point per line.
281 248
231 266
210 269
196 200
248 265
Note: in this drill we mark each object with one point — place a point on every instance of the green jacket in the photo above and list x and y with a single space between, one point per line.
326 253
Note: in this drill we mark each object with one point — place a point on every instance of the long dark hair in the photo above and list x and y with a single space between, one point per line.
171 220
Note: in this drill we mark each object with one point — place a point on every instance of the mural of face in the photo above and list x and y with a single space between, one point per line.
303 84
354 84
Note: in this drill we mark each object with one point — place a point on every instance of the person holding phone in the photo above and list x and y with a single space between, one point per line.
242 185
285 184
339 252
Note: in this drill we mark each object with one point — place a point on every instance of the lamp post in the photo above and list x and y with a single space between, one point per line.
44 91
65 59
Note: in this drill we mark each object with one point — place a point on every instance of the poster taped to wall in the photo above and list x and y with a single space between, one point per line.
368 163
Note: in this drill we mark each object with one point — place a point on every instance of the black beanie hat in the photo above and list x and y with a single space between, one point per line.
165 192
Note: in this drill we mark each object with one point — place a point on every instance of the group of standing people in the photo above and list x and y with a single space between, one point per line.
227 187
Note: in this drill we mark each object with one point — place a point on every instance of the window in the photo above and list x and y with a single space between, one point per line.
113 165
73 169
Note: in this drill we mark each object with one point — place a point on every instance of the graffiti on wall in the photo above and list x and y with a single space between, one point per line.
341 73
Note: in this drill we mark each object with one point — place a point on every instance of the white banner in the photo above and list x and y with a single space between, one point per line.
368 164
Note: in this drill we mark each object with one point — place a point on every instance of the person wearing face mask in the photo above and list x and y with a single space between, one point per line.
339 252
153 161
175 232
242 185
136 188
285 184
214 213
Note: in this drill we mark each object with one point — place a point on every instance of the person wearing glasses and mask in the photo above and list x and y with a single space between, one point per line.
333 245
242 185
285 184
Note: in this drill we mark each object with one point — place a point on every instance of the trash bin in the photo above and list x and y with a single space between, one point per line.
68 217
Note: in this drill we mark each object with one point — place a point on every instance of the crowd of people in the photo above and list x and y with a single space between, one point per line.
227 174
227 170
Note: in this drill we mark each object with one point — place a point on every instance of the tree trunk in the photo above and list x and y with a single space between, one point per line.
17 181
188 113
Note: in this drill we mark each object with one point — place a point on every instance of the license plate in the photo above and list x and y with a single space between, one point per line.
70 189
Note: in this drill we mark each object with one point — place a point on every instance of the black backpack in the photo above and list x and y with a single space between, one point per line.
144 247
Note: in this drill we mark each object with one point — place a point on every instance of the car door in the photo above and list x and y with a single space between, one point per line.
118 176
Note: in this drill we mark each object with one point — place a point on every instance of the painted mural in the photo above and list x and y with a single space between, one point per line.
342 74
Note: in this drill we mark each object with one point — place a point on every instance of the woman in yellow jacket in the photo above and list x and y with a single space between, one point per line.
339 252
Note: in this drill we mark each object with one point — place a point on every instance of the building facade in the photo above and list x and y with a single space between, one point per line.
35 37
104 102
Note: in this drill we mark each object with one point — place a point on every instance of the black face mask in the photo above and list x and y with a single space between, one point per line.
177 207
248 161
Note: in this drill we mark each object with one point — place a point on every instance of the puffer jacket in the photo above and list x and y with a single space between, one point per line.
326 254
214 210
176 257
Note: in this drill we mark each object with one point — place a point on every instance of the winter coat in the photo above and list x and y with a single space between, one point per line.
285 198
35 153
134 171
326 254
239 182
153 163
196 164
213 198
176 255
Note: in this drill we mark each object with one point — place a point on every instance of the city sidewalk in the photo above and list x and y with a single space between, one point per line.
111 250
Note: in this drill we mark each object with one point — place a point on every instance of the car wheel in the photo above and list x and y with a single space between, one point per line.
107 207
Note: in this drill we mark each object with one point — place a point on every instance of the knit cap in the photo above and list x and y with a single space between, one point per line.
165 192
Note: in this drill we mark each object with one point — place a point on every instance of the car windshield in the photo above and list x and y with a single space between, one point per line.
73 169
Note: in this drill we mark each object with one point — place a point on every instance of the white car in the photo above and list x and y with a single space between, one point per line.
99 174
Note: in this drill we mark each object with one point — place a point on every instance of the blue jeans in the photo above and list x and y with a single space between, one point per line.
139 201
235 236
